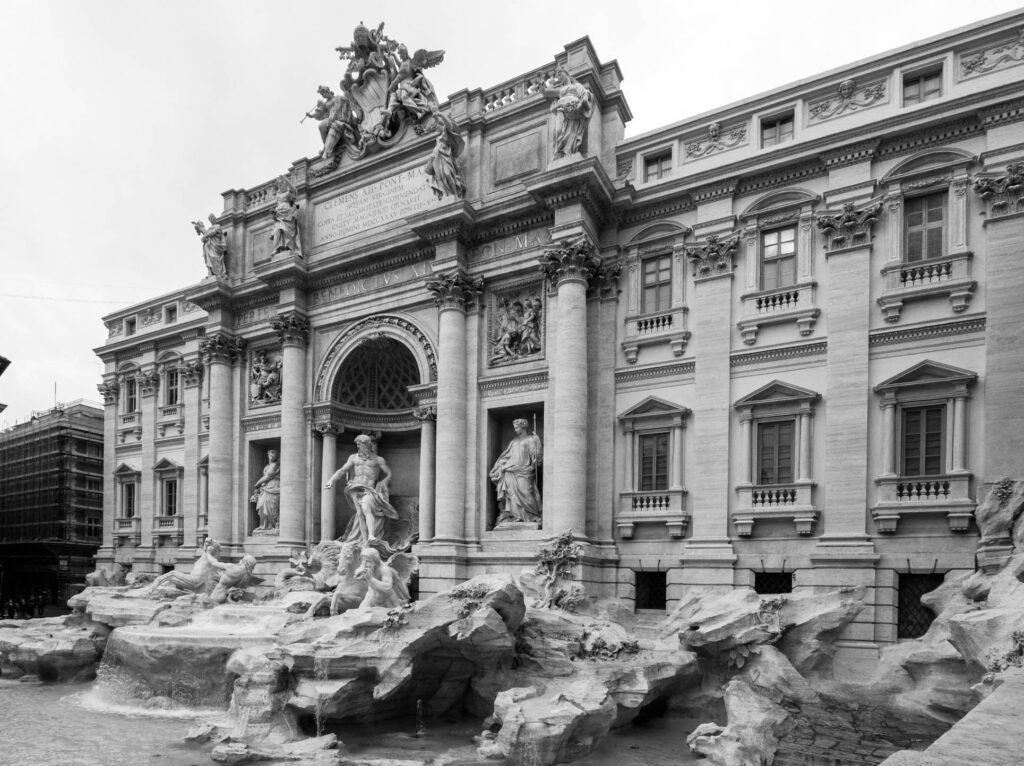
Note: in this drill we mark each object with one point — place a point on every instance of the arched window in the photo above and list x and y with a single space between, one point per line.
377 375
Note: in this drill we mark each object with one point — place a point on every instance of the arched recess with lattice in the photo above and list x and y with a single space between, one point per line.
389 351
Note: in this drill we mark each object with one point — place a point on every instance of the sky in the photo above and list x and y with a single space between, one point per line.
123 120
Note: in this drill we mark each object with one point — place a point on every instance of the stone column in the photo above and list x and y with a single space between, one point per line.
220 352
328 465
746 443
292 329
204 501
190 376
109 390
148 503
960 433
805 446
889 435
570 268
451 292
628 480
676 470
427 416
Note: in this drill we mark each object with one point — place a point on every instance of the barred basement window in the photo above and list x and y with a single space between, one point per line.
651 589
912 617
766 583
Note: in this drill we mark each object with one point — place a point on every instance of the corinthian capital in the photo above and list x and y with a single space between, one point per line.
291 328
109 390
453 290
713 256
573 260
221 348
851 227
1003 194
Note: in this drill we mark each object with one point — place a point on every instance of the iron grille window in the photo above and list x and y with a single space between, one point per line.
377 376
651 590
775 443
776 130
922 440
925 226
767 583
653 462
923 86
657 295
778 258
912 617
657 167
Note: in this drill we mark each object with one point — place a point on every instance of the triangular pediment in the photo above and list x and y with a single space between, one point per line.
927 373
166 464
126 469
651 407
776 392
204 462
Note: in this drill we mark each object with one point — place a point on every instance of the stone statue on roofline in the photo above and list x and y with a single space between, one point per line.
338 122
443 173
284 235
572 105
215 246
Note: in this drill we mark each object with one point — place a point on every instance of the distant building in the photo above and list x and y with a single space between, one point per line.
51 500
776 344
4 364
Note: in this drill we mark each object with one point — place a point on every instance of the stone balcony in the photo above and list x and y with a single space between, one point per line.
948 277
170 420
128 531
169 527
129 425
794 304
652 329
943 494
656 507
761 502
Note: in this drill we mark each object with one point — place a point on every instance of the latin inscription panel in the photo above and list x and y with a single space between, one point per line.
379 203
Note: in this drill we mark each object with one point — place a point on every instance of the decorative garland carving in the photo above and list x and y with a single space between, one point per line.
716 141
365 326
847 99
1004 194
713 256
990 59
455 289
851 227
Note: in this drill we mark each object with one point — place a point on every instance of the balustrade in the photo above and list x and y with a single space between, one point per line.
663 506
792 502
513 92
790 304
947 494
949 277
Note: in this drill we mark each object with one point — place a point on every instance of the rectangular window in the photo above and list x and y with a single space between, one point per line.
778 258
651 590
131 401
172 387
775 450
922 86
171 314
767 583
922 440
129 326
776 130
657 166
657 284
925 226
170 497
128 501
653 462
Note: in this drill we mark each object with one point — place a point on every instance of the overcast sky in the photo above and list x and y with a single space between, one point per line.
122 121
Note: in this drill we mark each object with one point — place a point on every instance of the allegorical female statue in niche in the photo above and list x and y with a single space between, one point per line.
515 477
572 106
215 246
266 494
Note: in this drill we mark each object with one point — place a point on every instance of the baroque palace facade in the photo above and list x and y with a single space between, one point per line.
772 345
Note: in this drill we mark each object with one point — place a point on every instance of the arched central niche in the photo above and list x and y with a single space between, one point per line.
376 375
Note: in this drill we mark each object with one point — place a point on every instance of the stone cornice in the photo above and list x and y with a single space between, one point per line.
937 330
455 289
529 381
778 354
716 190
850 154
455 221
1002 114
584 181
654 371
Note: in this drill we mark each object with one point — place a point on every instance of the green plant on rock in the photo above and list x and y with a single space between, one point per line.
999 661
555 565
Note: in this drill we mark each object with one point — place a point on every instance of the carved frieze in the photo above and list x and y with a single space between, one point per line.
717 141
455 289
425 413
264 378
713 256
115 328
850 227
515 326
1003 194
848 98
291 328
149 317
1005 54
221 348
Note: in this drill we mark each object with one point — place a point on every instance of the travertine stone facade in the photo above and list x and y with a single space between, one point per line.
772 343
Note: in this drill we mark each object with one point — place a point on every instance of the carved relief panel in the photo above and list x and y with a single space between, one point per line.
515 325
264 377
